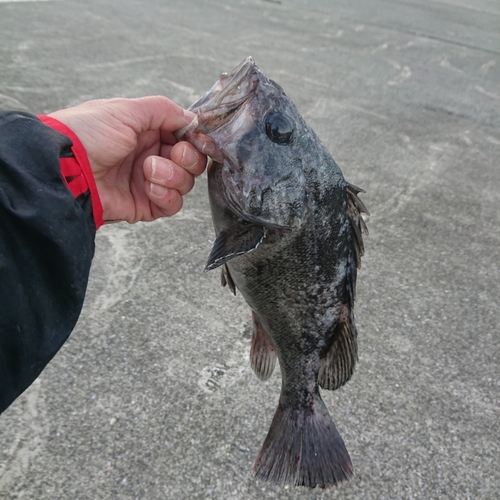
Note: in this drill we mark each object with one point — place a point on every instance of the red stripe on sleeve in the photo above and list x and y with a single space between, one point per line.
77 172
71 173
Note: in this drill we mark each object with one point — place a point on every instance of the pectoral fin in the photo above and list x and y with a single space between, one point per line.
230 243
225 279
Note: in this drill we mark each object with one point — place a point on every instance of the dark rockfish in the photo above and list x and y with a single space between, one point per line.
289 238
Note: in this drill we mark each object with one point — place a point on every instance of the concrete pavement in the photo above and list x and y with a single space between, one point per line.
152 397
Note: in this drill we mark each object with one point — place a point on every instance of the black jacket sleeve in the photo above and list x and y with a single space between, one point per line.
46 249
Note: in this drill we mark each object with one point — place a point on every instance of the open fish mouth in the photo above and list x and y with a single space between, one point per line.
230 91
223 100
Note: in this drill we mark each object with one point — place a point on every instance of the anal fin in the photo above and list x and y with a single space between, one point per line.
262 353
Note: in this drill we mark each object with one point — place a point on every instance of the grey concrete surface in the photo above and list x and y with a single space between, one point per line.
152 397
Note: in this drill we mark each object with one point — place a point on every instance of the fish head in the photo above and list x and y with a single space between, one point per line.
261 146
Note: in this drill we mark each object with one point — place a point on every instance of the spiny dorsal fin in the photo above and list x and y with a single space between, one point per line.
355 207
230 244
262 353
337 363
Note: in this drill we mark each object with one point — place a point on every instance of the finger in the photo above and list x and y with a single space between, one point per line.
165 150
188 157
166 174
165 202
204 144
167 137
156 113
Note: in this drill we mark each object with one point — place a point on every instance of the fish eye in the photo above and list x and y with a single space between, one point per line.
279 128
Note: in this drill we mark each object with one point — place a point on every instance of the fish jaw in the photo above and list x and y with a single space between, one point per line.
228 92
218 107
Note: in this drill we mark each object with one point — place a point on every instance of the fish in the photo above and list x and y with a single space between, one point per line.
289 238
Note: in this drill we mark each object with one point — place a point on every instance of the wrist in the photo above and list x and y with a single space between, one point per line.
76 170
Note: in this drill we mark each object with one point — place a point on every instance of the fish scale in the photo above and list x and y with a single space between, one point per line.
289 238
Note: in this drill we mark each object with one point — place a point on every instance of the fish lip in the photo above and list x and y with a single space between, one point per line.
227 84
220 104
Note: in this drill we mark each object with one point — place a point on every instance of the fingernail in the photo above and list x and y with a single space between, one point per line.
208 148
189 157
158 191
161 171
153 167
188 115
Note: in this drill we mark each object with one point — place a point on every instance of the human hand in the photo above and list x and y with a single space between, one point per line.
140 169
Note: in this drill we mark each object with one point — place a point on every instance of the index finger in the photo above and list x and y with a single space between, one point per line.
156 113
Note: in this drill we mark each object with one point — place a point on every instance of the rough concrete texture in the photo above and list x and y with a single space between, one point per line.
152 397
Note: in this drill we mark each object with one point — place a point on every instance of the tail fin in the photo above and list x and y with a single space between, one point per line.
303 448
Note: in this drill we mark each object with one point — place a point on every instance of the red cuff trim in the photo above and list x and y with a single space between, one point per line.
77 172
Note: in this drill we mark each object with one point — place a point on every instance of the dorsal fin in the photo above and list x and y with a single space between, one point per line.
339 358
230 244
355 207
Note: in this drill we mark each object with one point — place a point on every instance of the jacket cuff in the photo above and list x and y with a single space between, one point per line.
77 172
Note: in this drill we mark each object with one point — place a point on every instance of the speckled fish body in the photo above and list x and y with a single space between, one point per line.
289 238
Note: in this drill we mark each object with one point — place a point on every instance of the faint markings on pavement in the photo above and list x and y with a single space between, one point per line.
124 264
323 108
403 75
484 69
9 102
216 377
493 95
19 450
213 378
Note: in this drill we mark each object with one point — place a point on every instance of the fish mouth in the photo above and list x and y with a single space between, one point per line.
223 100
230 91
